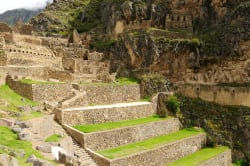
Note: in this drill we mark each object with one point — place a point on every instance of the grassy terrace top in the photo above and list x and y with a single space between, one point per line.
8 138
199 157
118 81
29 81
13 101
112 125
128 149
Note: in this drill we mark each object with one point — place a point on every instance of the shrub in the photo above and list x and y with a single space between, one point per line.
173 104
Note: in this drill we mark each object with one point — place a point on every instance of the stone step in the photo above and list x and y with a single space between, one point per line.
82 155
104 113
125 135
218 156
177 145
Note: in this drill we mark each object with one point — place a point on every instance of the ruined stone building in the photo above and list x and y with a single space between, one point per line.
45 58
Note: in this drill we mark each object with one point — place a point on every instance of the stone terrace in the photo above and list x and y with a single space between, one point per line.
95 141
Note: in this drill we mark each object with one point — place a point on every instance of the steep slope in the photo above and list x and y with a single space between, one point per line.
145 32
12 16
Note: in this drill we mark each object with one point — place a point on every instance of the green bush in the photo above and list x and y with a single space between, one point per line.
173 104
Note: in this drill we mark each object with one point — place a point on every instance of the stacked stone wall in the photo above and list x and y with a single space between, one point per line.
51 92
158 156
40 92
102 114
111 93
33 59
23 89
3 58
219 94
63 76
112 138
221 159
40 73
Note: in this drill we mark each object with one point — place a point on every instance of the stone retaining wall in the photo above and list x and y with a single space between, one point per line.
158 156
20 59
224 159
221 95
75 134
112 138
106 94
51 92
35 72
102 114
22 89
40 92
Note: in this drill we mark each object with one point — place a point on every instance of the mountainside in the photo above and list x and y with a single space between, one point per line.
12 16
144 35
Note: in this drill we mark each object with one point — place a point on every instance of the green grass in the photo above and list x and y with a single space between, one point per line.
148 144
8 138
146 98
13 99
30 115
199 157
29 81
112 125
54 138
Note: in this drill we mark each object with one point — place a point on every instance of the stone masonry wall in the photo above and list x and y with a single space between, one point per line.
3 58
101 114
219 159
22 59
34 72
75 134
112 138
158 156
51 92
221 95
40 92
100 94
22 89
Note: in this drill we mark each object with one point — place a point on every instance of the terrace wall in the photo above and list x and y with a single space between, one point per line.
102 114
106 94
117 137
221 159
220 94
40 92
158 156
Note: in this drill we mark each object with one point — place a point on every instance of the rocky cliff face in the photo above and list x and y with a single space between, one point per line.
186 40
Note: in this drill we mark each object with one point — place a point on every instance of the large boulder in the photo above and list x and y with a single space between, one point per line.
6 160
38 162
45 148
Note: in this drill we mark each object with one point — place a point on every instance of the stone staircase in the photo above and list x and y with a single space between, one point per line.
96 142
40 128
82 156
